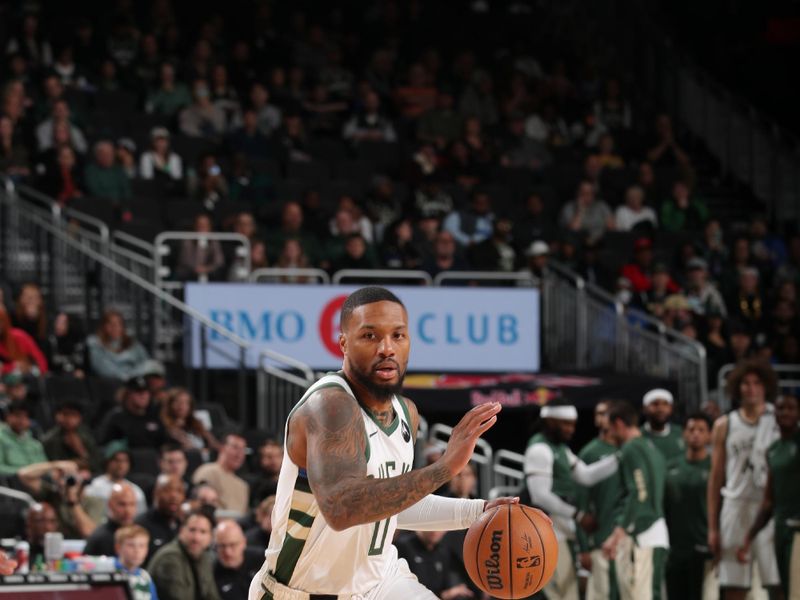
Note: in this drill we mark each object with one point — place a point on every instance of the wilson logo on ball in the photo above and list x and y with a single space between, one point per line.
493 562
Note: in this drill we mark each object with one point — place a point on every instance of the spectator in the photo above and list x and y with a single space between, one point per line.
417 96
177 415
480 149
712 248
258 535
612 110
130 549
292 227
790 270
183 568
292 256
170 97
200 259
268 116
155 376
432 564
235 564
748 303
112 352
64 182
223 95
356 254
265 480
121 512
172 461
740 341
31 44
537 255
370 125
431 201
652 300
126 157
249 139
768 249
667 437
204 495
117 467
104 177
474 225
399 250
30 314
234 492
521 151
478 99
534 223
60 114
496 252
639 272
740 258
162 520
445 256
633 215
160 162
70 439
682 212
442 125
324 114
587 214
702 295
136 420
40 519
18 447
665 150
14 157
18 351
293 139
606 153
548 127
360 223
202 118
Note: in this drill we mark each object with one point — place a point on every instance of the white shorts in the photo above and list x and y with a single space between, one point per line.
735 519
398 583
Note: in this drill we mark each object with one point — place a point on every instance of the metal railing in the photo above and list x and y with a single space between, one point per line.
378 275
788 381
289 275
508 469
440 434
520 278
585 327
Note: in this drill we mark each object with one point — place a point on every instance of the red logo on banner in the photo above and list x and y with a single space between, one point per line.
328 329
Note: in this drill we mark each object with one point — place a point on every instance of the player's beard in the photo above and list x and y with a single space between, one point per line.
380 390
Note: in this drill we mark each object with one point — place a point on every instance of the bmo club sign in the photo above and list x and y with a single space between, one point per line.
451 329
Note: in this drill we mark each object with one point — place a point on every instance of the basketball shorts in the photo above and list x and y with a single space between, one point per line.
399 583
602 583
640 571
734 521
563 585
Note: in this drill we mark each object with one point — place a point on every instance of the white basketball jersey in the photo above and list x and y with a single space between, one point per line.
739 467
304 553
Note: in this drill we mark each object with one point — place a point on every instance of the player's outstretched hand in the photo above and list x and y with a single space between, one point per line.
7 565
500 501
465 435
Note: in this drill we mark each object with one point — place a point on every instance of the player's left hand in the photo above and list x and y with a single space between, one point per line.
500 501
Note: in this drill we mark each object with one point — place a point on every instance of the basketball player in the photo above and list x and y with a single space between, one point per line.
666 436
690 572
346 481
738 479
782 498
601 499
552 471
640 541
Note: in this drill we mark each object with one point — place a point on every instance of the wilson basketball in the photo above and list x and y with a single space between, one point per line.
511 551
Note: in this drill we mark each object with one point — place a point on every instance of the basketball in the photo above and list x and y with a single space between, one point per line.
511 551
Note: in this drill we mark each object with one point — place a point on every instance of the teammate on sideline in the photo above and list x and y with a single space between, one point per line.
666 436
552 471
739 477
690 571
601 499
346 481
782 498
640 541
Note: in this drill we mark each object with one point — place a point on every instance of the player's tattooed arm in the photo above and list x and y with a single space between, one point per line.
335 443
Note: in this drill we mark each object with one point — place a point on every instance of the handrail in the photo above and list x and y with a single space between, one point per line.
423 276
142 260
485 275
57 209
320 274
287 360
161 249
133 241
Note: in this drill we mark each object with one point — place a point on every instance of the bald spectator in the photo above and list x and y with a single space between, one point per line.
163 519
117 467
183 568
40 518
104 178
258 535
121 512
234 492
235 564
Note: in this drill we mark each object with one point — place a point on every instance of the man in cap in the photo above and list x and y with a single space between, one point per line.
18 447
640 271
552 471
666 436
156 376
702 295
70 439
117 467
538 255
136 420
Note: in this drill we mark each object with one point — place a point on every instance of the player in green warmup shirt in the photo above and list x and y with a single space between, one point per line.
690 570
601 500
551 474
782 498
666 436
640 541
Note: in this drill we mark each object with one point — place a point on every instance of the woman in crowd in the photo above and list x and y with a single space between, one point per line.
66 347
18 350
112 352
177 415
160 162
30 314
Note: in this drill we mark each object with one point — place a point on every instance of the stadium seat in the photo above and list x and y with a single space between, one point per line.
310 173
144 460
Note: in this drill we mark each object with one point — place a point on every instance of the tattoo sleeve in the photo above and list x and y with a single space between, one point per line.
336 466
